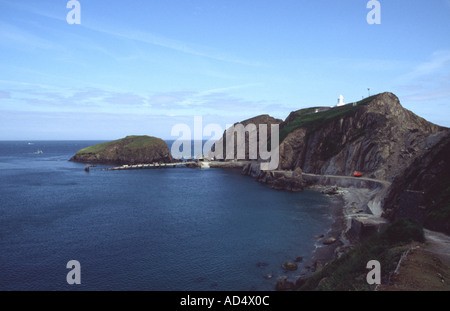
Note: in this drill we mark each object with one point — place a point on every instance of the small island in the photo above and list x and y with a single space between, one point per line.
129 150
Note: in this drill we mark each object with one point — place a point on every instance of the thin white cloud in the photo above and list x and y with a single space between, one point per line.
148 38
176 45
229 88
429 80
24 96
438 63
12 36
365 64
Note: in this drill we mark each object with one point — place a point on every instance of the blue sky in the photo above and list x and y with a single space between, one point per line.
140 67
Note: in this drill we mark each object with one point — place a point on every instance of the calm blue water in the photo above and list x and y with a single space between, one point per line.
165 229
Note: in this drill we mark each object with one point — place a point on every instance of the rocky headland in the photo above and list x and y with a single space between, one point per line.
376 136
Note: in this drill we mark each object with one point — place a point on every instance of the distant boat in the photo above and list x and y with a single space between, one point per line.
39 152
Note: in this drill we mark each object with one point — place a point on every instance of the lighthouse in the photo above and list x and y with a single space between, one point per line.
340 101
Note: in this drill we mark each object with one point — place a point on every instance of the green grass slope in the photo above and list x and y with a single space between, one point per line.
132 142
312 120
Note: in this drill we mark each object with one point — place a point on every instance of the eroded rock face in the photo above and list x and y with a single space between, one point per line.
128 150
375 136
379 138
422 191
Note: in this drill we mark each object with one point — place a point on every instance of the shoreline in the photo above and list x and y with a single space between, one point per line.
343 204
324 254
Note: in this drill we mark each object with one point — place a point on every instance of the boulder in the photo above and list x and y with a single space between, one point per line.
290 266
329 241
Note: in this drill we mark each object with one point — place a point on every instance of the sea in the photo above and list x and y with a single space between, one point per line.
171 229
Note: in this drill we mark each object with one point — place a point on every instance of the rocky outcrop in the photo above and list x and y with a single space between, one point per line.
283 284
129 150
290 266
364 225
376 136
251 131
277 180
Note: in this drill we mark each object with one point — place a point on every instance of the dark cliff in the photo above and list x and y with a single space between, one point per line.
422 191
128 150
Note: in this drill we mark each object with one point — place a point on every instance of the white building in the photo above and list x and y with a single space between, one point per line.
340 101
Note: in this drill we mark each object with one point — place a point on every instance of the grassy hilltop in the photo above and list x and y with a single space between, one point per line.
129 150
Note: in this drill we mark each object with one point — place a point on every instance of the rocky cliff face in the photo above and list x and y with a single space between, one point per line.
376 136
277 180
422 191
128 150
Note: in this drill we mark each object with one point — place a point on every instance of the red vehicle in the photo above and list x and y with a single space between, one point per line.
357 174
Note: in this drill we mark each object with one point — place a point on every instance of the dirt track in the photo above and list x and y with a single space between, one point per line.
425 268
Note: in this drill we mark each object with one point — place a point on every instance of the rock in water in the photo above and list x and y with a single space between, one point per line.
269 276
128 150
329 241
290 266
299 259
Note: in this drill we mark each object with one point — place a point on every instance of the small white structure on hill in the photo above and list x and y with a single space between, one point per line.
340 101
